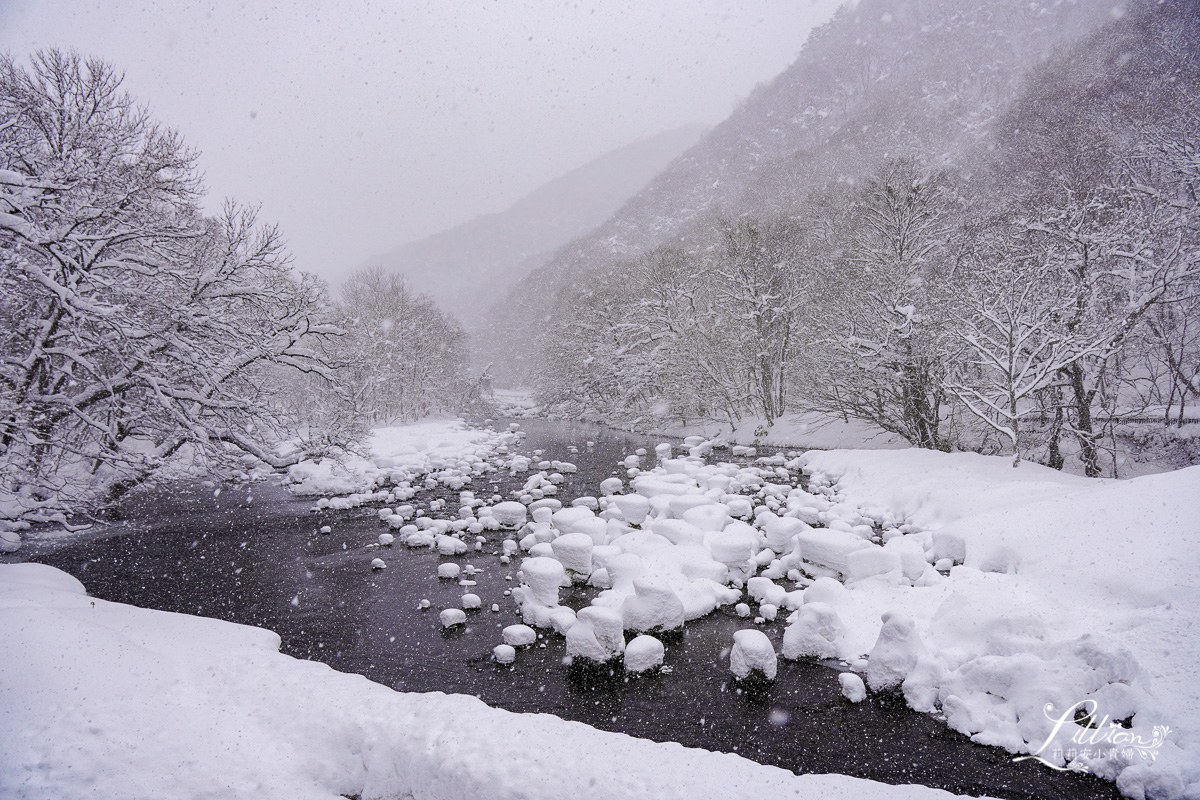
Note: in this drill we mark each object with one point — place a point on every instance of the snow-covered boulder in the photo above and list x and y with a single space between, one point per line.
538 594
654 606
814 632
825 590
519 635
853 688
562 619
452 616
830 548
509 513
781 531
450 546
643 653
633 507
912 555
504 654
543 576
10 541
895 653
566 519
597 635
871 561
708 516
752 652
734 547
574 552
764 590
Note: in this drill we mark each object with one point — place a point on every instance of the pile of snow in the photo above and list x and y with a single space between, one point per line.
1057 591
399 455
106 700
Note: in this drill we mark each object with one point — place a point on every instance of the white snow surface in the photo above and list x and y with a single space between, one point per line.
397 454
1065 589
100 699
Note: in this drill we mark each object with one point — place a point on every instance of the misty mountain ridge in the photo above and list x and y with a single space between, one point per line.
466 268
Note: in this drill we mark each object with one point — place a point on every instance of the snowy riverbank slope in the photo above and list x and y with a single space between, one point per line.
1065 590
398 454
100 699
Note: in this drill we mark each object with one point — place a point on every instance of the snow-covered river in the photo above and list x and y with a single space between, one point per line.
255 556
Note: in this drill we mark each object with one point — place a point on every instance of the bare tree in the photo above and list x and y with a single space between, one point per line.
760 280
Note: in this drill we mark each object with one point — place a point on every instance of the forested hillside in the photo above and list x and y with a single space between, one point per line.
972 228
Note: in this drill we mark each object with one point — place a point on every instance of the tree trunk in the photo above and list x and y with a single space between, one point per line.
1088 451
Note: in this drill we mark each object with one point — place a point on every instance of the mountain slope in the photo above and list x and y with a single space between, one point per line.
467 266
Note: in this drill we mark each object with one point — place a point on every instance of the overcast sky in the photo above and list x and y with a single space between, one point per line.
359 126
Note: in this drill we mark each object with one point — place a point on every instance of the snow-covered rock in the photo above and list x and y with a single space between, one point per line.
597 635
519 635
654 606
451 617
510 513
542 578
781 531
633 507
643 653
871 561
825 590
853 688
752 652
574 552
814 632
895 653
830 548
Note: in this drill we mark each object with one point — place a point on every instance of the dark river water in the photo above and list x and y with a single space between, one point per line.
254 555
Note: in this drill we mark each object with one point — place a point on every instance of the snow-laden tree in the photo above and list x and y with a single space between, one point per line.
131 327
400 358
760 282
1008 321
1118 254
878 348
